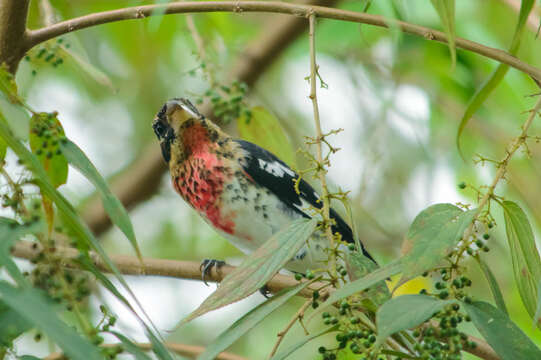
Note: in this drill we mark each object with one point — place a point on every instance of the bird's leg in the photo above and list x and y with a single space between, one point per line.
206 267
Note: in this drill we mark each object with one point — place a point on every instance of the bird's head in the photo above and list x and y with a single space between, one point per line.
175 115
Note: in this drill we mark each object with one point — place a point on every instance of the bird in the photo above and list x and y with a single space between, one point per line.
246 193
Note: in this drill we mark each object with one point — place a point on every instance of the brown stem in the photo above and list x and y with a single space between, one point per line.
298 316
139 12
142 179
130 265
191 351
13 36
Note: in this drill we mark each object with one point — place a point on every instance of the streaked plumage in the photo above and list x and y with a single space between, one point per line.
246 193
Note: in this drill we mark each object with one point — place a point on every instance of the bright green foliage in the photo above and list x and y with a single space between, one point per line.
264 129
497 76
432 235
254 272
524 254
501 333
13 325
446 11
111 204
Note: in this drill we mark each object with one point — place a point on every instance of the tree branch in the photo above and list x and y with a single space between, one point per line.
142 179
130 265
139 12
14 41
191 351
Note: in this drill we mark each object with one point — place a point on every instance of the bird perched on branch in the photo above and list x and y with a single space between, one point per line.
242 190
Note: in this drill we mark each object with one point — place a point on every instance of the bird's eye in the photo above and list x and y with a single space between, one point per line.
159 129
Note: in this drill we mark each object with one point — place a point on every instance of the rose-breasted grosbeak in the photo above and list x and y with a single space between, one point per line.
246 193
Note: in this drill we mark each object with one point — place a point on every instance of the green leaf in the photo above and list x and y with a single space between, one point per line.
130 347
433 233
501 333
157 346
3 150
34 308
391 317
446 11
537 316
264 129
259 267
111 204
45 134
361 284
28 357
497 76
249 320
284 354
13 325
524 254
11 231
358 266
8 87
11 104
493 284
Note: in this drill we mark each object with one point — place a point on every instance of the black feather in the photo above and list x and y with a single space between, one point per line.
284 187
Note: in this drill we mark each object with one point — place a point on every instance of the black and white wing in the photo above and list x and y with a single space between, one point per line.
272 173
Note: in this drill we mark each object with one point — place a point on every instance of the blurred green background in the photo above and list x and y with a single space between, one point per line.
396 96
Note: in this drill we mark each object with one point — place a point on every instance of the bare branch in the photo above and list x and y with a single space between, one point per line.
13 36
191 351
139 12
130 265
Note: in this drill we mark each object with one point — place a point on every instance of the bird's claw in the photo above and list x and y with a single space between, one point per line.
206 267
265 291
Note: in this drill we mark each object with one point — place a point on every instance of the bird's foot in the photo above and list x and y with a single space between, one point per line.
206 267
265 291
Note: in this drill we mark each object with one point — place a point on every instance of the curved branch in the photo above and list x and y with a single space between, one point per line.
139 12
191 351
130 265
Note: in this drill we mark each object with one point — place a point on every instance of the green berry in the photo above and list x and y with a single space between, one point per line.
462 185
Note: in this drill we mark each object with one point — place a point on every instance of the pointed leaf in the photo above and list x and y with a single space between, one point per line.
114 208
493 284
524 254
284 354
34 308
433 233
501 333
537 316
497 76
264 129
361 284
8 87
11 231
259 267
446 11
391 317
13 325
249 320
45 134
130 347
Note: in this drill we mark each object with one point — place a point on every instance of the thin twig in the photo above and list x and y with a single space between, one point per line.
319 137
298 316
502 169
191 351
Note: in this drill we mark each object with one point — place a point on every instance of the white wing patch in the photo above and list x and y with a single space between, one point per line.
275 168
